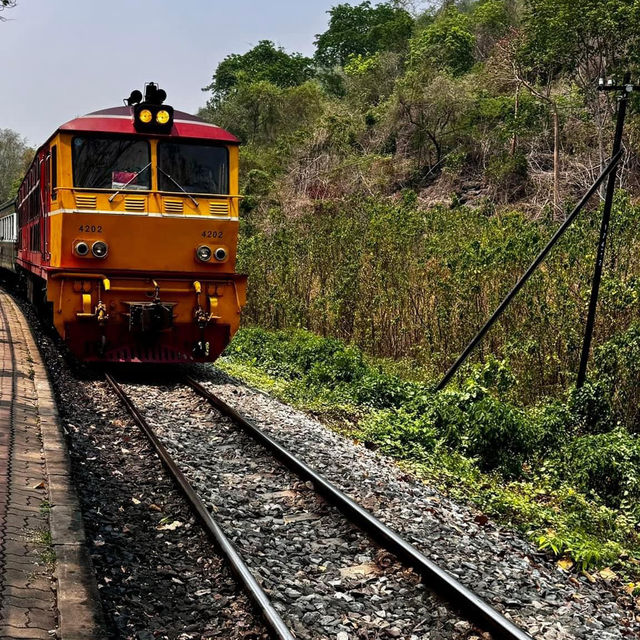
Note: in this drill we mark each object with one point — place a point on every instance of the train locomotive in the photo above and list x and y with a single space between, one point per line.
124 231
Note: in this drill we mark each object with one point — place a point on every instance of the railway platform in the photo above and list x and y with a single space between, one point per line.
47 588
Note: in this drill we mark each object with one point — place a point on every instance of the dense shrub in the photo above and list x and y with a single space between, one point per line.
591 407
604 464
618 367
399 282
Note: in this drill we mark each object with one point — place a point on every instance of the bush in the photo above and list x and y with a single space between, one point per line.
606 465
590 407
409 418
617 362
400 433
507 175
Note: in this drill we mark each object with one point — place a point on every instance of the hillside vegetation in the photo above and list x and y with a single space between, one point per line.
397 183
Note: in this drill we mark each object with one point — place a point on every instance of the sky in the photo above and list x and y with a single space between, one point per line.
65 58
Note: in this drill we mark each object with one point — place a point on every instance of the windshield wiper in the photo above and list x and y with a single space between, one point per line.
178 185
124 186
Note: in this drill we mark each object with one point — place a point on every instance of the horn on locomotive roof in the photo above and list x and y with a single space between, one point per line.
153 94
134 98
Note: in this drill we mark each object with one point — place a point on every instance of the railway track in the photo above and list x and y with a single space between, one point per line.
468 604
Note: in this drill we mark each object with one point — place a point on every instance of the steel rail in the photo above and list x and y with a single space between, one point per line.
444 584
255 592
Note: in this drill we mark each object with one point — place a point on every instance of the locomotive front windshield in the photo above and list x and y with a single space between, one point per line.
111 163
194 168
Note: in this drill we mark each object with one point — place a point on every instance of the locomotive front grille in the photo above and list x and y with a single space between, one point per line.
132 203
219 208
84 201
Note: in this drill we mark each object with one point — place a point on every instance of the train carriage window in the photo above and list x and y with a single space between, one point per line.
110 163
197 168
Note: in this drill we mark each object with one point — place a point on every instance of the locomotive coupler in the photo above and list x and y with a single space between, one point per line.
150 317
201 317
101 313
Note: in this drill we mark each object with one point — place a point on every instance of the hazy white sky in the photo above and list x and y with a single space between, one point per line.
64 58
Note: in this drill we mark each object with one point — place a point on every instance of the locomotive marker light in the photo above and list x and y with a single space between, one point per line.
81 249
204 253
162 117
220 254
100 249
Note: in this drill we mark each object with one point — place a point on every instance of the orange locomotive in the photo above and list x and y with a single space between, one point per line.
127 225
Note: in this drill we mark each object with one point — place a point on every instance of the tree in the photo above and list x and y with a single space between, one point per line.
6 4
446 44
370 81
492 21
362 30
264 63
260 112
426 114
581 40
14 159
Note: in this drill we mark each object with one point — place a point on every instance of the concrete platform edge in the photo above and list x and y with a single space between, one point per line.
78 600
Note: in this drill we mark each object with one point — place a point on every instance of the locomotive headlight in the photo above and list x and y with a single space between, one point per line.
220 254
81 248
145 116
204 253
100 249
162 117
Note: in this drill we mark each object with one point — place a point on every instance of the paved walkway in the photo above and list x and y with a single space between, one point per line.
47 588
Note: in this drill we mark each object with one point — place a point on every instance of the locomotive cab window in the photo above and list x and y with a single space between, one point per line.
111 163
194 168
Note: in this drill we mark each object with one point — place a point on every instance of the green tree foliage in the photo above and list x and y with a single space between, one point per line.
264 63
492 20
260 112
14 158
447 44
362 30
341 187
371 80
580 36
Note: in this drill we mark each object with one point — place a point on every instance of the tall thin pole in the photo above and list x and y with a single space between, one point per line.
627 88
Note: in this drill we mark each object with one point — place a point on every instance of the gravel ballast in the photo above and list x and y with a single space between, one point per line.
158 574
498 564
325 576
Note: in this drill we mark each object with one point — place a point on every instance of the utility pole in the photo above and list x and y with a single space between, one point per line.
625 90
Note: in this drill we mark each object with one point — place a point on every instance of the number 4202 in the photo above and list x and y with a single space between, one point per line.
212 234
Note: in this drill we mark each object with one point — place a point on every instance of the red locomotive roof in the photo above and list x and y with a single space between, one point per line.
120 120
